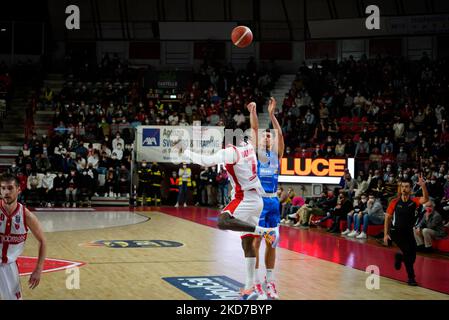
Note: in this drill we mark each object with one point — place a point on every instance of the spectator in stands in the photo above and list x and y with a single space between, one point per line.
372 214
173 190
343 207
42 163
81 150
81 163
340 148
72 143
72 184
223 190
118 151
286 205
46 192
362 184
211 186
185 181
124 180
34 184
26 150
110 185
93 159
359 205
429 228
435 189
203 181
387 145
59 188
293 211
349 184
239 119
14 169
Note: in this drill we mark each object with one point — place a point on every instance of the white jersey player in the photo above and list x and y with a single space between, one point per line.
243 212
15 220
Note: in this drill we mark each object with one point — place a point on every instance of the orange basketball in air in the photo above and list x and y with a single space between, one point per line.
242 36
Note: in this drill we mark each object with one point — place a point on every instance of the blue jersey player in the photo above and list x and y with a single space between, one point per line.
270 151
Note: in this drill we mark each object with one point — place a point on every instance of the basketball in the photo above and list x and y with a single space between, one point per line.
242 36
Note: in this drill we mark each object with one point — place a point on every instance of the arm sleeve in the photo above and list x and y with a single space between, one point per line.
417 201
392 205
227 156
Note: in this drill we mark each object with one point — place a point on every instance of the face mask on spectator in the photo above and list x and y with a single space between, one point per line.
84 173
433 181
60 175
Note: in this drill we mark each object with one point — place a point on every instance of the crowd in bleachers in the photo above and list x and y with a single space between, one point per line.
387 113
90 141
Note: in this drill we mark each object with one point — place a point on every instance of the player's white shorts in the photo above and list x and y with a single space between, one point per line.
247 207
10 288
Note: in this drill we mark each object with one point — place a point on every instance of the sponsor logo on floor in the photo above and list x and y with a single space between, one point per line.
27 265
208 287
133 244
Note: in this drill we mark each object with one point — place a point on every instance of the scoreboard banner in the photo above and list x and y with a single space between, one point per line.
154 143
320 170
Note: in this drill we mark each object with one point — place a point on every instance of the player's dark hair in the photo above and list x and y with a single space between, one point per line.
409 181
8 177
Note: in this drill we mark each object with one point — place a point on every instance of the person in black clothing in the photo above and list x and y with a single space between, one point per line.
72 184
211 186
59 186
202 186
340 212
435 189
86 185
399 222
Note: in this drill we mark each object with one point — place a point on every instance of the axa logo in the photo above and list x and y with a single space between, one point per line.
150 138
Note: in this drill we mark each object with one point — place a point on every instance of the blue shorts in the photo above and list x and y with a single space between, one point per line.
270 216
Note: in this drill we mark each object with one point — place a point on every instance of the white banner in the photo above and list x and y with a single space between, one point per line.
154 143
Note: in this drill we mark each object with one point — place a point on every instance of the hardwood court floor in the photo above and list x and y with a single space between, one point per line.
136 273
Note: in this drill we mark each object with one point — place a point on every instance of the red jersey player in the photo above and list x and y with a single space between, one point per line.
243 212
15 220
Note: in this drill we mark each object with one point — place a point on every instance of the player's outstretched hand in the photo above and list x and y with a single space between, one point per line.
35 278
271 106
251 107
421 180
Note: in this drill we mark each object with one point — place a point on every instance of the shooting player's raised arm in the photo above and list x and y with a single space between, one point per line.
227 156
277 127
254 121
